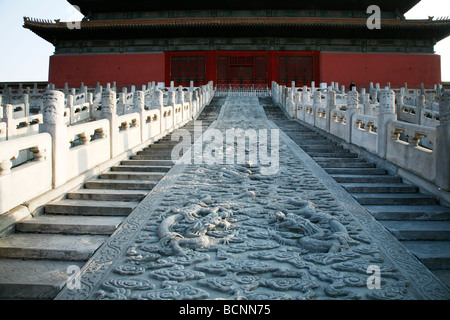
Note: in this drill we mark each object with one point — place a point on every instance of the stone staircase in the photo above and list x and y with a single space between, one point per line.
34 260
417 220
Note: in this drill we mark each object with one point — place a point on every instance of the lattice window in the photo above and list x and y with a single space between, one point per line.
295 68
260 70
244 69
222 70
188 68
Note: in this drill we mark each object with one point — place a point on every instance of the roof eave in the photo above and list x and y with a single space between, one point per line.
97 6
437 30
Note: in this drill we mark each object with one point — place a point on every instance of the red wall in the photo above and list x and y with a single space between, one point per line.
382 68
138 69
124 69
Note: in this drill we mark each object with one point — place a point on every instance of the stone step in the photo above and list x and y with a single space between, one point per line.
435 255
311 139
336 164
120 184
409 212
337 159
50 246
130 168
154 156
91 207
335 149
419 230
152 152
164 139
294 128
394 199
313 143
351 178
164 145
354 171
332 155
34 279
107 195
123 175
70 224
379 188
443 275
156 163
297 133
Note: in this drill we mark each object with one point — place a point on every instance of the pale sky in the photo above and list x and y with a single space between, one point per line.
25 57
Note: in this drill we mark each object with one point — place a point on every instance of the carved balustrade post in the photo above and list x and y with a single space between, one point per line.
203 95
53 123
190 101
195 104
26 104
70 106
122 103
298 102
171 101
420 105
306 95
109 111
331 105
157 102
139 107
366 104
400 100
317 102
386 115
352 108
290 105
180 95
9 119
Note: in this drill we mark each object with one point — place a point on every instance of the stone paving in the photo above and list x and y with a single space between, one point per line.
275 227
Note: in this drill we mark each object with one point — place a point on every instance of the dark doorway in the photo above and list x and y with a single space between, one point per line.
241 69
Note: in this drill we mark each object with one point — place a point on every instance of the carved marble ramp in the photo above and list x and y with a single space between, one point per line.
211 230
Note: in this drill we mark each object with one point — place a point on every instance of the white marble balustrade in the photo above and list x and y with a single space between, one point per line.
61 152
413 137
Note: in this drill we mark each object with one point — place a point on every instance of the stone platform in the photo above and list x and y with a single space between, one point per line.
273 227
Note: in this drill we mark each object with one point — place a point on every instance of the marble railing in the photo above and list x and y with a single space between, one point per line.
364 132
82 104
419 146
59 153
407 153
418 115
19 127
33 178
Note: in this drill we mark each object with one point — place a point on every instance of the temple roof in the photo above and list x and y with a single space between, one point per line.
87 6
240 27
